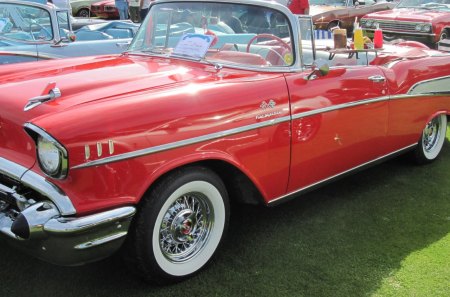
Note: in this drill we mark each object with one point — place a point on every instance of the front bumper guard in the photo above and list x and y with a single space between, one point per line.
66 241
47 227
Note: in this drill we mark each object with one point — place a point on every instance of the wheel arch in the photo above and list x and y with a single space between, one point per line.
241 188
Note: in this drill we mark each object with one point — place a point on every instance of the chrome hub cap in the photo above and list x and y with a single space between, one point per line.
185 227
431 134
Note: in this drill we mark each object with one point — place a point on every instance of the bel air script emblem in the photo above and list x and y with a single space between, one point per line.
268 106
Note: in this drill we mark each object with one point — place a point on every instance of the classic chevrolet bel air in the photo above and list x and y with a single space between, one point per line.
213 102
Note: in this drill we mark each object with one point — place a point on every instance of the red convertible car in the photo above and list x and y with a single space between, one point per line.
143 151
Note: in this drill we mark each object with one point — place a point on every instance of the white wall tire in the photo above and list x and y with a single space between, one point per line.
432 140
180 226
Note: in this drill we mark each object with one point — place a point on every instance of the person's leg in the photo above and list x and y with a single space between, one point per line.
143 13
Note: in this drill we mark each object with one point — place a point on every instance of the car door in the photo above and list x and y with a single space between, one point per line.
339 122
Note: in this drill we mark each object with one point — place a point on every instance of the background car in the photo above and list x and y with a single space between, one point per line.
105 9
30 31
419 20
327 14
82 8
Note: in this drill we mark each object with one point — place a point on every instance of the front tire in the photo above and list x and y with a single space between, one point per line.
179 226
432 140
84 13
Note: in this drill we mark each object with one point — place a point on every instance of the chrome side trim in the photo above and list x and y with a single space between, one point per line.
212 136
181 143
340 106
277 200
100 241
39 184
62 225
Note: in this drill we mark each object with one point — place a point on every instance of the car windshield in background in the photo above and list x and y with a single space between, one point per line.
440 5
240 34
328 2
25 23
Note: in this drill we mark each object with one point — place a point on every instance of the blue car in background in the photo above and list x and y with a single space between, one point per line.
31 31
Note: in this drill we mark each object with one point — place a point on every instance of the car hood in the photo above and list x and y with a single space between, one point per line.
101 3
319 9
80 80
407 14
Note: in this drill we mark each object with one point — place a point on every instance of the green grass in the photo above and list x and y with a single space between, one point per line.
382 232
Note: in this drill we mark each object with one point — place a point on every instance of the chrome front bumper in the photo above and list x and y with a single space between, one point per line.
48 229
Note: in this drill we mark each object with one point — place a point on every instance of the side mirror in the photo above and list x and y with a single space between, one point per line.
319 68
71 36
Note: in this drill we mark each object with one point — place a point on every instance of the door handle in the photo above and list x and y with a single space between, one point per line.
377 78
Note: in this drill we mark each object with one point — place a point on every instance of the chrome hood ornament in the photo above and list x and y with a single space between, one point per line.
51 92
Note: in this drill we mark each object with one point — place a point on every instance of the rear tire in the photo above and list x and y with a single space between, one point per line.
432 140
179 226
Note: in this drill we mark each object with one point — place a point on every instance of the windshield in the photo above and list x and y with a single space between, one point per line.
239 34
441 5
23 22
328 2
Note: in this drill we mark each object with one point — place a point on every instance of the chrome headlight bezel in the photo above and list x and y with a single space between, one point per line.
56 162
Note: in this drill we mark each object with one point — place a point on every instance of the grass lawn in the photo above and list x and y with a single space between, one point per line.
382 232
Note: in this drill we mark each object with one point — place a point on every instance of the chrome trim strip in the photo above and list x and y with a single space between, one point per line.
212 136
181 143
100 241
276 200
39 184
61 225
406 96
340 106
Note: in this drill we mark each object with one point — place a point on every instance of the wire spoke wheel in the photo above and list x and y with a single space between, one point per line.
186 227
432 140
179 226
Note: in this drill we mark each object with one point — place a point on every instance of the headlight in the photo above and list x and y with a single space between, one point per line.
51 155
418 27
368 24
426 28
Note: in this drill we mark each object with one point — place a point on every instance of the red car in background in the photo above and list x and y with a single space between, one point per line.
418 20
105 9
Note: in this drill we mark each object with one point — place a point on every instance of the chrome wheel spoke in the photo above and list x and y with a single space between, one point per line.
185 227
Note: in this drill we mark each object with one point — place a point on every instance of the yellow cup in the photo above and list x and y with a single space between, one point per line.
358 39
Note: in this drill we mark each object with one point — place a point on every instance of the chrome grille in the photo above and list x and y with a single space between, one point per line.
397 26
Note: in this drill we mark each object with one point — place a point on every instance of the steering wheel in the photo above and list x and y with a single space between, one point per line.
42 28
269 36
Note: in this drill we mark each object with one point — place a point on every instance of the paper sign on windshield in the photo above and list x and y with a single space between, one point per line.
193 45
